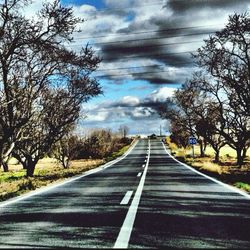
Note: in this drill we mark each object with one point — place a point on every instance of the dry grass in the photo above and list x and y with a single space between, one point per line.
225 152
47 171
226 170
206 164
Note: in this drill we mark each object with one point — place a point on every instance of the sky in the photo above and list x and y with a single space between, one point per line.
146 49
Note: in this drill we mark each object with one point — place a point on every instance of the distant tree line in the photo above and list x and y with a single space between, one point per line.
214 105
101 143
43 83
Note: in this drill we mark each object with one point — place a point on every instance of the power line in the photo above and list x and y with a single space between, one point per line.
149 46
161 55
139 67
149 31
155 55
155 45
132 73
135 73
141 39
136 67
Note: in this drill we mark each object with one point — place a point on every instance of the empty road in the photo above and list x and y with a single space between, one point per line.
147 199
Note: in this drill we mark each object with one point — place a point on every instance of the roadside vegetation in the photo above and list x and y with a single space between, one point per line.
44 83
212 106
44 86
48 170
225 170
51 170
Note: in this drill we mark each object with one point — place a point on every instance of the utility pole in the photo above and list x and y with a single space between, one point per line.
160 130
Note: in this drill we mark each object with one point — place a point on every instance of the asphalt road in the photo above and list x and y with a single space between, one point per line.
146 200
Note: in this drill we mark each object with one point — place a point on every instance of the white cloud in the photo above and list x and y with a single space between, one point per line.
87 10
161 94
141 112
32 8
119 4
100 116
145 17
130 100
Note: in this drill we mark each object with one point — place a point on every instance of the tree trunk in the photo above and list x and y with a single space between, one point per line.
5 166
217 156
21 160
205 147
240 157
244 153
31 166
201 149
65 162
24 164
5 157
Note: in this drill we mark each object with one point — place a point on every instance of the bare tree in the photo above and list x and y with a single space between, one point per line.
186 99
35 62
55 115
226 57
67 149
123 129
216 100
205 114
191 112
179 133
232 125
102 143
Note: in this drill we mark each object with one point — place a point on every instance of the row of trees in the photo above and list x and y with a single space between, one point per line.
43 83
214 105
99 144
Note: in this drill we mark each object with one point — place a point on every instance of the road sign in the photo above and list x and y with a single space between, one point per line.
192 140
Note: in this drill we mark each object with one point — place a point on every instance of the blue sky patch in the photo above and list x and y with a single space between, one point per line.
99 4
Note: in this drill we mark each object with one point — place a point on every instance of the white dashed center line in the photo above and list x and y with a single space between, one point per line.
139 174
126 198
126 229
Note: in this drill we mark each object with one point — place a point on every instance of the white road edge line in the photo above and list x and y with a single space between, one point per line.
126 229
210 178
139 174
126 198
46 189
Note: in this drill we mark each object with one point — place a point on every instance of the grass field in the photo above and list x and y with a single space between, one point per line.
226 170
14 183
48 170
225 152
